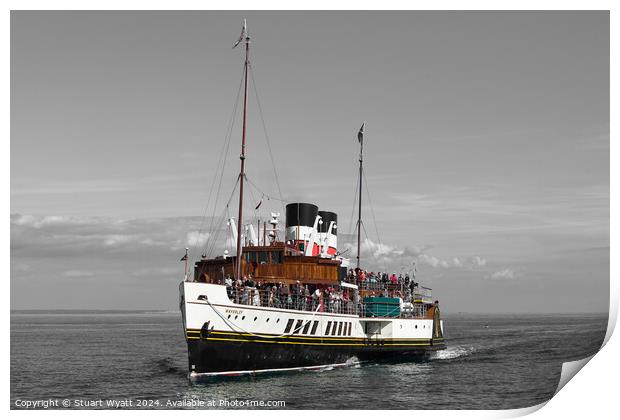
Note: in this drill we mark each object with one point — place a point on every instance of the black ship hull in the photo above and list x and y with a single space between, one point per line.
233 354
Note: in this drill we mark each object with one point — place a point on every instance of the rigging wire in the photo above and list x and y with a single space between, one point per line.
374 219
357 181
218 231
264 194
223 153
255 210
223 161
260 111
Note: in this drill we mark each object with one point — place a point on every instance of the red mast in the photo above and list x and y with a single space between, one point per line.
246 37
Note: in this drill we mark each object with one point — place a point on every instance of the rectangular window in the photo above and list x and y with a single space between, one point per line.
329 326
335 328
314 327
306 328
276 257
340 328
263 257
289 324
297 326
349 333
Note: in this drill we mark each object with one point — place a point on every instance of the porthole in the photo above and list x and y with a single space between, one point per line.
278 320
255 318
267 320
228 316
236 316
416 326
243 317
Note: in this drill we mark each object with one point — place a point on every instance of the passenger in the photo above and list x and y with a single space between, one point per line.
309 299
332 299
304 297
296 292
393 279
256 297
238 289
337 301
229 286
271 296
244 295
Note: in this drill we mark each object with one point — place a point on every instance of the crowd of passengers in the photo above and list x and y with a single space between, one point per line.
368 279
247 291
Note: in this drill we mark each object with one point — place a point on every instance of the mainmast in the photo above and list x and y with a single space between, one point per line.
246 37
360 138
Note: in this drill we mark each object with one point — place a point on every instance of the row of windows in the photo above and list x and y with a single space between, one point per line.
298 327
264 257
339 328
333 328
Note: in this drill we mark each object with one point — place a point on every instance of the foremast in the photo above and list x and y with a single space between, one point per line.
244 37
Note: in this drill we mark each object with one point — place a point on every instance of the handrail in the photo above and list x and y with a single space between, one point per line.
336 301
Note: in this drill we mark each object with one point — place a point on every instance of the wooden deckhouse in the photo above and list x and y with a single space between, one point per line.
276 263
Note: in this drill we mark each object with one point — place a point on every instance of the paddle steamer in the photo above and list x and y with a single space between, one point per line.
296 302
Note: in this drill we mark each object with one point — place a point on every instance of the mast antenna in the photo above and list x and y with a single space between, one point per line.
244 37
360 138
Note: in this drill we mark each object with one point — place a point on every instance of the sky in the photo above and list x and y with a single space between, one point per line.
486 148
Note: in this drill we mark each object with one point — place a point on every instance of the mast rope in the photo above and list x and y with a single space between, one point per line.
273 163
264 194
357 179
374 219
255 210
218 229
221 177
223 156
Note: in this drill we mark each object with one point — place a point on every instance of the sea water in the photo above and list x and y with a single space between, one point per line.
117 359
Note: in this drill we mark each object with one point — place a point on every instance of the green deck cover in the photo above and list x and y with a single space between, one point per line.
382 306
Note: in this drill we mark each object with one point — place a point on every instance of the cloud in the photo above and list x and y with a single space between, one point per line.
394 256
196 238
505 274
78 273
112 240
69 236
478 261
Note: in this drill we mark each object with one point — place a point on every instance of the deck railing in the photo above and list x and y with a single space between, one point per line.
337 303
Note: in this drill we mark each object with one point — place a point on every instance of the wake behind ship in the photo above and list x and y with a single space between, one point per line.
297 303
